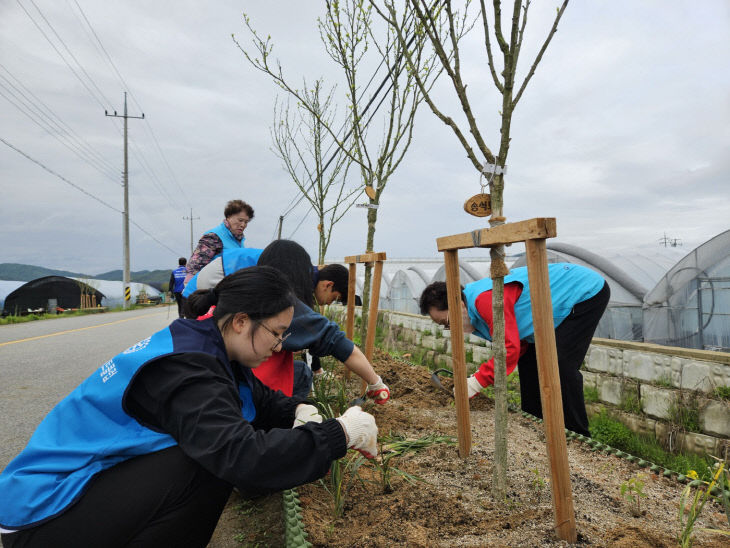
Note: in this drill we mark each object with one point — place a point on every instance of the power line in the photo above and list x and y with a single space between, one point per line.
83 83
24 109
147 126
89 194
75 143
49 170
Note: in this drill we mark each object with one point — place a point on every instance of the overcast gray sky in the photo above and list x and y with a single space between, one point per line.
622 135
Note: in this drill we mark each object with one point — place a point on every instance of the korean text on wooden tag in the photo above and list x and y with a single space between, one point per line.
478 205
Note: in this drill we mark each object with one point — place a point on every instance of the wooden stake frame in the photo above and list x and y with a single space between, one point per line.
533 232
352 262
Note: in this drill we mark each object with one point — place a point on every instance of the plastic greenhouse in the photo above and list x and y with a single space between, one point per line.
690 305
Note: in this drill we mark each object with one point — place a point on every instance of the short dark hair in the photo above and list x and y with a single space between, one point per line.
339 276
236 206
290 258
182 261
434 296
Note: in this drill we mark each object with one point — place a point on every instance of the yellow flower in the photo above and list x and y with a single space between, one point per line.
692 474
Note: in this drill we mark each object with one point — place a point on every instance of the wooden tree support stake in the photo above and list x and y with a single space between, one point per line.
533 232
352 261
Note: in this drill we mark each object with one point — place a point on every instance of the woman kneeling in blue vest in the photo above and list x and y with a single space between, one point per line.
146 451
579 297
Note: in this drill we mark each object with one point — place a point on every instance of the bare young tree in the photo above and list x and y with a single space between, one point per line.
300 141
472 140
377 145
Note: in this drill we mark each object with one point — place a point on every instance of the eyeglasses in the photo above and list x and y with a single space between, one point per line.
279 340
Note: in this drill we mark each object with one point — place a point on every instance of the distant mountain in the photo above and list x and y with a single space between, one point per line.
26 273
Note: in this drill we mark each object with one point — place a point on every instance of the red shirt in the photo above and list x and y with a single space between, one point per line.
515 348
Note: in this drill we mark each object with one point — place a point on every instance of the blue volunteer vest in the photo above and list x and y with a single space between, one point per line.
179 275
228 239
232 260
89 430
570 284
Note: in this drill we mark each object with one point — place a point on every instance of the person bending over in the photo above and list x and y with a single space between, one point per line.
579 298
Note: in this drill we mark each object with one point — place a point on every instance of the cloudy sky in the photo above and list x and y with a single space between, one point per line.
622 135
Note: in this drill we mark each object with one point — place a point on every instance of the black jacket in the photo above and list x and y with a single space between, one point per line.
192 397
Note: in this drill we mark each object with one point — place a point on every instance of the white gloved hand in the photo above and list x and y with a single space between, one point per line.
378 391
306 413
361 431
473 387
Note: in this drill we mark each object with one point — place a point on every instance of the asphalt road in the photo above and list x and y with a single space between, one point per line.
41 362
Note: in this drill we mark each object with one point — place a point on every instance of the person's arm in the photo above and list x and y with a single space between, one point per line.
171 283
312 331
323 337
512 292
208 247
194 399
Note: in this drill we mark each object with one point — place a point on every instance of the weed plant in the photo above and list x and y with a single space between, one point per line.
722 392
685 413
513 390
630 402
590 394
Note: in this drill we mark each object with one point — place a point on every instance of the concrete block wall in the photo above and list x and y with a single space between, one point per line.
645 385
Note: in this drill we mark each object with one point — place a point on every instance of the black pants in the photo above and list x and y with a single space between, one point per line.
161 499
572 339
180 307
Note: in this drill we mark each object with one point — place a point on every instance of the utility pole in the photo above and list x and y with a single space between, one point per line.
191 218
125 219
281 223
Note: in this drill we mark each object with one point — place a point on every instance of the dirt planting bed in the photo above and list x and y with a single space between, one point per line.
453 506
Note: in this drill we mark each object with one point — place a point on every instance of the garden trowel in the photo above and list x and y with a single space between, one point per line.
436 381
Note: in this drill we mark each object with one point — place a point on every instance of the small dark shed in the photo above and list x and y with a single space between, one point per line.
37 293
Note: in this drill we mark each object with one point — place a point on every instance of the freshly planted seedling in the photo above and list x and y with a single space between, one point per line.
393 447
340 479
633 491
538 484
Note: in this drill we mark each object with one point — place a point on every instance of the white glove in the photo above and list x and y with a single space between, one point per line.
378 391
473 387
306 413
361 431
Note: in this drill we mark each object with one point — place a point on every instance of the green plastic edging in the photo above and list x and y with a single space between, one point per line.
596 446
294 534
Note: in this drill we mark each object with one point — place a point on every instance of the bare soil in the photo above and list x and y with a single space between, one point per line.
453 505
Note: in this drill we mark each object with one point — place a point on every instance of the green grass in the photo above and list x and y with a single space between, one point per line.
616 434
590 394
513 390
630 402
722 392
685 413
35 317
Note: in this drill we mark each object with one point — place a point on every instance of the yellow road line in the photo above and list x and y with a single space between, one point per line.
74 330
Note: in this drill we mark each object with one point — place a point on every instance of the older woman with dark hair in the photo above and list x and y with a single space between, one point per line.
227 235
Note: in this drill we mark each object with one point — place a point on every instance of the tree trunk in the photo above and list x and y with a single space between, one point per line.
499 483
372 218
